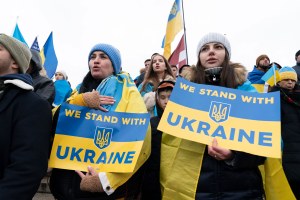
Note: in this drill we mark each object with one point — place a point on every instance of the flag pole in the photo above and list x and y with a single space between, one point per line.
184 32
15 25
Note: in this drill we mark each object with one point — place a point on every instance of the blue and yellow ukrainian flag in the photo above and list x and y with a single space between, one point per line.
271 76
175 24
48 56
18 35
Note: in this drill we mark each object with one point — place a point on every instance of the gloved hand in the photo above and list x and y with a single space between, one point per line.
91 184
90 181
92 99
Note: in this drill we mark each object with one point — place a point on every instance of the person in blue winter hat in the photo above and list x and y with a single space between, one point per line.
93 75
105 87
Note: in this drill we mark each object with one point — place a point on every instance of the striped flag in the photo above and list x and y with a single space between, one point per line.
178 57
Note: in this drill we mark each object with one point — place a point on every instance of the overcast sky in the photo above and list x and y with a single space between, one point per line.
137 27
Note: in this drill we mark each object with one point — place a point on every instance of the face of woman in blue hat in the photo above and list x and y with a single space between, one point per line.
100 65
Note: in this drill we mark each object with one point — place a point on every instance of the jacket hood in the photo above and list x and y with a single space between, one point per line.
36 59
240 73
23 81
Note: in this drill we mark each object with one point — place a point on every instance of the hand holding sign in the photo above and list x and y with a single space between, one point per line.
218 152
90 181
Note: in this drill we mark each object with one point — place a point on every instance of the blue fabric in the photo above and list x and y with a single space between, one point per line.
63 91
255 76
116 86
148 88
51 62
247 86
78 87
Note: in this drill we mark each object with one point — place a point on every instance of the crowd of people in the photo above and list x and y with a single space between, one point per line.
194 171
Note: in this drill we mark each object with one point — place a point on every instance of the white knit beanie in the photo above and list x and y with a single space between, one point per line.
214 37
63 73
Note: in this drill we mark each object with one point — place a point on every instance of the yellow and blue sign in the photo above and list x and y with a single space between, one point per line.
107 141
240 120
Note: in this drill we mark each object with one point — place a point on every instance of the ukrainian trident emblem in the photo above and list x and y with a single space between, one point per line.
102 137
219 111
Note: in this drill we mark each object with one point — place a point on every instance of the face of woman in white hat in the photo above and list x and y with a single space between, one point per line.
59 76
212 55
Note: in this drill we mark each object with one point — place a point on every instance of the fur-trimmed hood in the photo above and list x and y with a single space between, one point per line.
240 73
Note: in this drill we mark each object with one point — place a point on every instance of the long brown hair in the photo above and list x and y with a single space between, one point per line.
151 75
227 76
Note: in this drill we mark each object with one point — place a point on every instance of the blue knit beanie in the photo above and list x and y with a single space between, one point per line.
112 52
288 73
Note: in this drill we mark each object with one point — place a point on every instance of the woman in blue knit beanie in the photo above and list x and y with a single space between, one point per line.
102 88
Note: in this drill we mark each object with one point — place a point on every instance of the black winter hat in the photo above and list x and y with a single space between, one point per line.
36 59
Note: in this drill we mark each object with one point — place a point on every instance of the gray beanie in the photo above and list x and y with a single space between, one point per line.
214 37
18 50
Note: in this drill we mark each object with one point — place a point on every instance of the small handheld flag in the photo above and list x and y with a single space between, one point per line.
271 76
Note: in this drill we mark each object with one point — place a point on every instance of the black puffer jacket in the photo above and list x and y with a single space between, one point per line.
219 180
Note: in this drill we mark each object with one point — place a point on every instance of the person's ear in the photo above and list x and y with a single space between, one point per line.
14 65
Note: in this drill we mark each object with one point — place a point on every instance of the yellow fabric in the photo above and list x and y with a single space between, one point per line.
178 154
76 99
131 102
276 184
259 87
